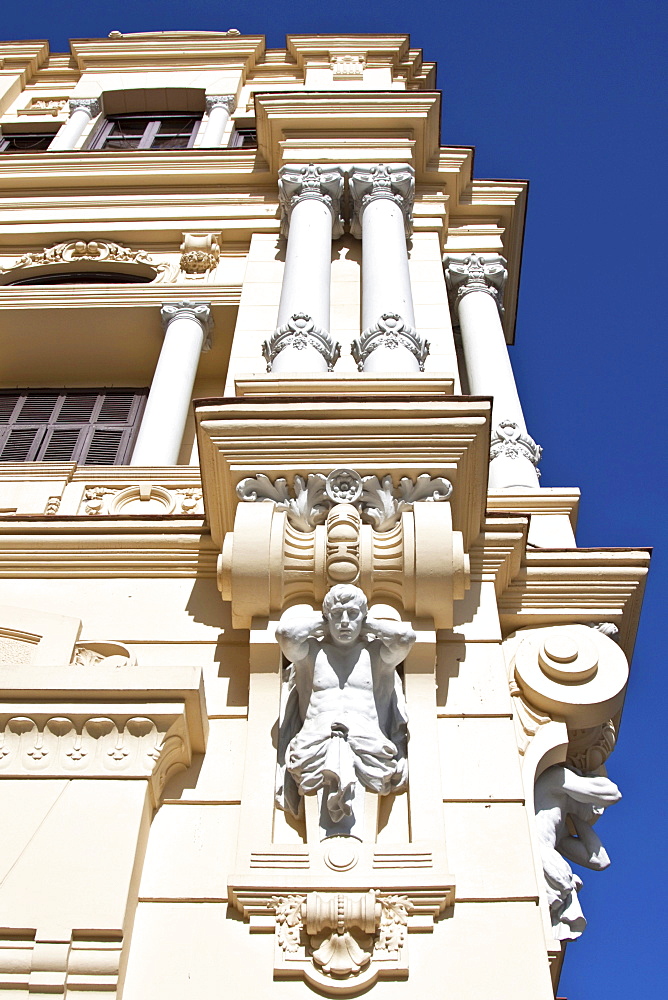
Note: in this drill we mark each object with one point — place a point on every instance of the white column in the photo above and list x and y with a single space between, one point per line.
219 107
187 329
310 199
82 111
476 284
383 202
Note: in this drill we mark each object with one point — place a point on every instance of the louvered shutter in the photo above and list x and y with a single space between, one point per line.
91 427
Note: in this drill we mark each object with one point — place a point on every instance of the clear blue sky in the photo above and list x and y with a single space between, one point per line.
571 95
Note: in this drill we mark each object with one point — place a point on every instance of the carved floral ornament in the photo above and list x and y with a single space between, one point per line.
310 182
390 331
339 939
510 441
299 334
80 251
379 502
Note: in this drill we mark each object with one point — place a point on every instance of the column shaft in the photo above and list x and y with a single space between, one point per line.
82 111
383 199
310 198
386 283
476 282
219 110
168 405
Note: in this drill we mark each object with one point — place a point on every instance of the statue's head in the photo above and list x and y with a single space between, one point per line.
345 608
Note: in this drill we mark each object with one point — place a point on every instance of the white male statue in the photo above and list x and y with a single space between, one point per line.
343 719
563 797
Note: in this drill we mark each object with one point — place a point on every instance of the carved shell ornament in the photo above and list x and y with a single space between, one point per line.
379 502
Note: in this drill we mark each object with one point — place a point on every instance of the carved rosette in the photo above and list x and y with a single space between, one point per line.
509 441
389 332
310 182
391 182
300 333
476 272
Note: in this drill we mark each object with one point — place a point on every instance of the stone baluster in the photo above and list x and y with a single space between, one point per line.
219 107
383 202
82 111
187 327
310 200
476 282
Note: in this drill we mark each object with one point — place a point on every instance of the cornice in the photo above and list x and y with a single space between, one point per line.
148 169
542 501
22 57
393 47
413 115
110 296
558 586
175 50
92 548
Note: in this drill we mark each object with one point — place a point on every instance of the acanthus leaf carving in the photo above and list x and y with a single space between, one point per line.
72 251
379 502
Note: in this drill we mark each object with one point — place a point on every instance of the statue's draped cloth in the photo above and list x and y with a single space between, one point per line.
335 758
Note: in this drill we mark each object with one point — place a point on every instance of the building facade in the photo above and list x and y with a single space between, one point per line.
224 774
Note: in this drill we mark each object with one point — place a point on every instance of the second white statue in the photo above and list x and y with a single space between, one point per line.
343 723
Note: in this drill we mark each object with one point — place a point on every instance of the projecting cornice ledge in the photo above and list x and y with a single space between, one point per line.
363 126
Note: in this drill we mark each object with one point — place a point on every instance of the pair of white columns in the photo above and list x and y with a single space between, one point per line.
310 201
476 284
83 109
188 327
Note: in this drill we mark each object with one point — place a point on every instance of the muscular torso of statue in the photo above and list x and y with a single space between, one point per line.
342 689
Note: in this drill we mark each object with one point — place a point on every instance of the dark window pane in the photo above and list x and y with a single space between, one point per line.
17 444
60 446
176 125
26 143
37 408
84 278
103 448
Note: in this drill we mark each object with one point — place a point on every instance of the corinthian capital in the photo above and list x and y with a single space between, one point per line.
476 272
91 105
389 181
200 311
212 101
323 184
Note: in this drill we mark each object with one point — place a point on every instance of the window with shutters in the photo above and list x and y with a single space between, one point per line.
89 426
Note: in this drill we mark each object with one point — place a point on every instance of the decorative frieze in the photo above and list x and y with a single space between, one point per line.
476 272
379 502
42 106
140 498
300 333
510 441
346 66
384 181
310 183
389 332
97 250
